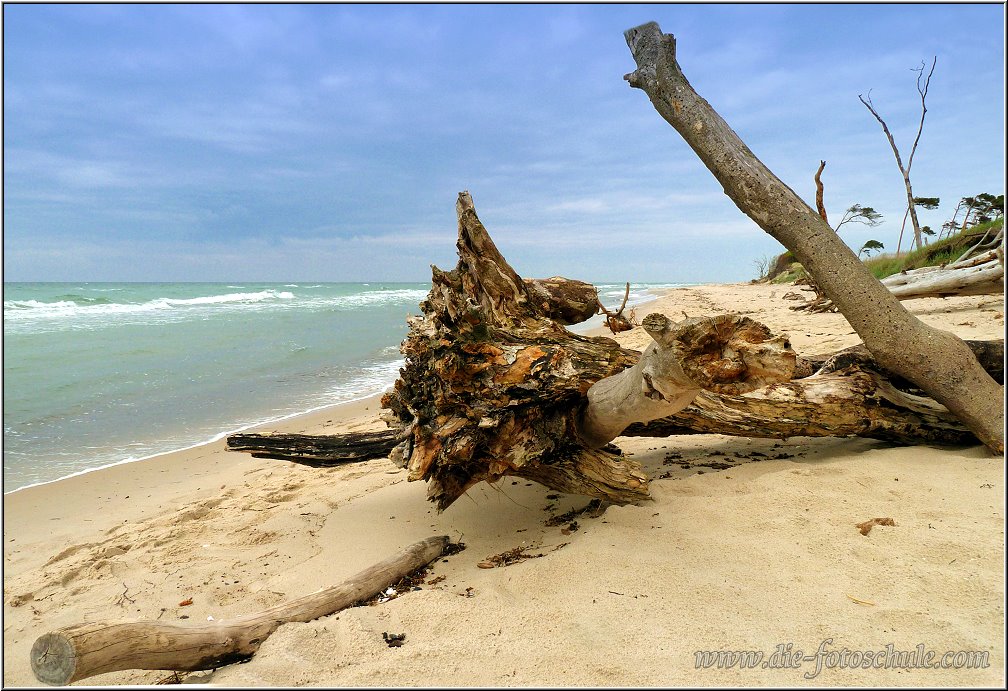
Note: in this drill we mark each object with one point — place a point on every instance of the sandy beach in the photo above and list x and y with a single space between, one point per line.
756 556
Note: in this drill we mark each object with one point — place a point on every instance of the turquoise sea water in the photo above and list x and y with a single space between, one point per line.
102 373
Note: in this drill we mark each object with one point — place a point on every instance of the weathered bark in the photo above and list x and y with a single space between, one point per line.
847 395
853 403
318 450
729 354
820 206
492 386
989 353
84 650
935 360
564 300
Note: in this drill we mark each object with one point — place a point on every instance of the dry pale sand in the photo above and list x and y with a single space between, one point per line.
750 557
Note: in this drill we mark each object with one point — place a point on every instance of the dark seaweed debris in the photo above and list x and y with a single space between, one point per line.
394 640
593 508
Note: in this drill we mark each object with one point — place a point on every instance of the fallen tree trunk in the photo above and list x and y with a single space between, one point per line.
982 275
979 275
935 360
984 244
849 396
844 404
84 650
663 380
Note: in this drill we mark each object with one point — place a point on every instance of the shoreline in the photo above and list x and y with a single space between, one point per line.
734 551
217 437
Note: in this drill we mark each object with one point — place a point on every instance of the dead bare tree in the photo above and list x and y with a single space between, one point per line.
615 319
935 360
922 90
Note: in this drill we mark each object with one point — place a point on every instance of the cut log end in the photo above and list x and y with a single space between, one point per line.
53 659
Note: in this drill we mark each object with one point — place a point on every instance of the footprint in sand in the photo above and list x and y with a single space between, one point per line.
250 537
18 600
69 552
199 511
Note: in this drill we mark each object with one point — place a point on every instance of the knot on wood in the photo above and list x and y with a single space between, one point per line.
731 354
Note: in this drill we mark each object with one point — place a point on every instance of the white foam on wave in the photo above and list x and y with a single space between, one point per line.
229 297
378 297
22 310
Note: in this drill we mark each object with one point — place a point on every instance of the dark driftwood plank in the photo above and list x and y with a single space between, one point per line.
317 450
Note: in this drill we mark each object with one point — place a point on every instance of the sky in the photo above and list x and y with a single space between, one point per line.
329 142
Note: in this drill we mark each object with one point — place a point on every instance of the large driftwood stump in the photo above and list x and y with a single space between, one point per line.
494 385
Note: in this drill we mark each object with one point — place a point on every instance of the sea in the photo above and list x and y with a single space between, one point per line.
97 374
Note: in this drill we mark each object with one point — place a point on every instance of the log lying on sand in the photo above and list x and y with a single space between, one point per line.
493 386
317 450
843 404
849 396
84 650
982 275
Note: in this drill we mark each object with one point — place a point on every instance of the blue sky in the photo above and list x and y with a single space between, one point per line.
328 142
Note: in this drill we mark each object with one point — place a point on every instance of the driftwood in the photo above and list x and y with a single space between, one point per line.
663 381
84 650
935 360
492 386
818 302
317 450
982 274
855 403
564 300
615 319
848 396
989 353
